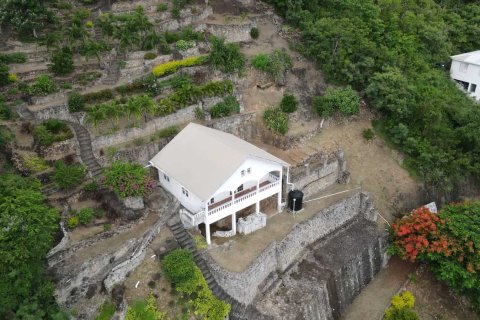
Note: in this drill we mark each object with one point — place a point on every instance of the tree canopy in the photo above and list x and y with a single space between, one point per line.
27 228
396 53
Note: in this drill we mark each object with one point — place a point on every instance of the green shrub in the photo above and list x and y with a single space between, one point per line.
161 7
17 57
127 179
254 33
4 75
5 112
175 13
167 132
34 163
225 108
67 177
75 102
72 222
199 113
188 280
277 64
200 242
107 227
149 55
86 77
144 310
91 186
85 216
178 266
51 131
344 99
172 66
171 37
99 96
402 307
44 85
261 61
106 311
289 103
368 134
184 45
62 61
276 120
98 213
226 57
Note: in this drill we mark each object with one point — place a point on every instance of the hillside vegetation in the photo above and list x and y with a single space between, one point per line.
397 54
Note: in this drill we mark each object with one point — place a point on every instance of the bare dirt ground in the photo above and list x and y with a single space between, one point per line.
435 301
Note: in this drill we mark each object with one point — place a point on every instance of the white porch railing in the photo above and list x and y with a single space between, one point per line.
247 197
190 219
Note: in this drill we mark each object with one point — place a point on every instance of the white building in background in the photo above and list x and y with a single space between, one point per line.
465 70
215 174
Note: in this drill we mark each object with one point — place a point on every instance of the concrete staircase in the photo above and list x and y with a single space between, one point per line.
238 310
86 152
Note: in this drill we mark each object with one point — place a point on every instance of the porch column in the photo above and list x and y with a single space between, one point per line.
207 232
257 204
234 223
279 195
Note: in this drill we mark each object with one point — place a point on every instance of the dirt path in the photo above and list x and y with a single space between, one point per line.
372 301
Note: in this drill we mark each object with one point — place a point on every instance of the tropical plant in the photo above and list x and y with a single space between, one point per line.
127 179
276 120
27 17
368 134
289 103
34 163
95 116
106 311
44 85
226 57
67 177
17 57
62 61
73 222
75 102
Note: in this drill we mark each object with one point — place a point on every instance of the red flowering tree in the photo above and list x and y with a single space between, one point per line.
449 242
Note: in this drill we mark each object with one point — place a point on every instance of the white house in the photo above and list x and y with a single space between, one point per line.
465 70
215 174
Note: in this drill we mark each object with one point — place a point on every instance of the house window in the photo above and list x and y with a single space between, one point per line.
166 177
185 192
463 67
212 200
242 173
240 188
249 170
473 87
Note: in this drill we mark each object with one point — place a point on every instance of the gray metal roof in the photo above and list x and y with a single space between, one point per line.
469 57
201 159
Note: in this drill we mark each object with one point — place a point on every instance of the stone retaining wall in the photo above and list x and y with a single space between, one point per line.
279 255
181 116
318 172
232 32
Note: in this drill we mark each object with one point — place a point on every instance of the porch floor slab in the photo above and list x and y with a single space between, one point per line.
237 252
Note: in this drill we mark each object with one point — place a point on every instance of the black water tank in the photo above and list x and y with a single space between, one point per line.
295 200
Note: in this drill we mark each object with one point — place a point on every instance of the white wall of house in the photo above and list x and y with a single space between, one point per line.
191 202
469 73
258 169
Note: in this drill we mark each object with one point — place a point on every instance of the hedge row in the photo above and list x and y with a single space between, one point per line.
172 66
